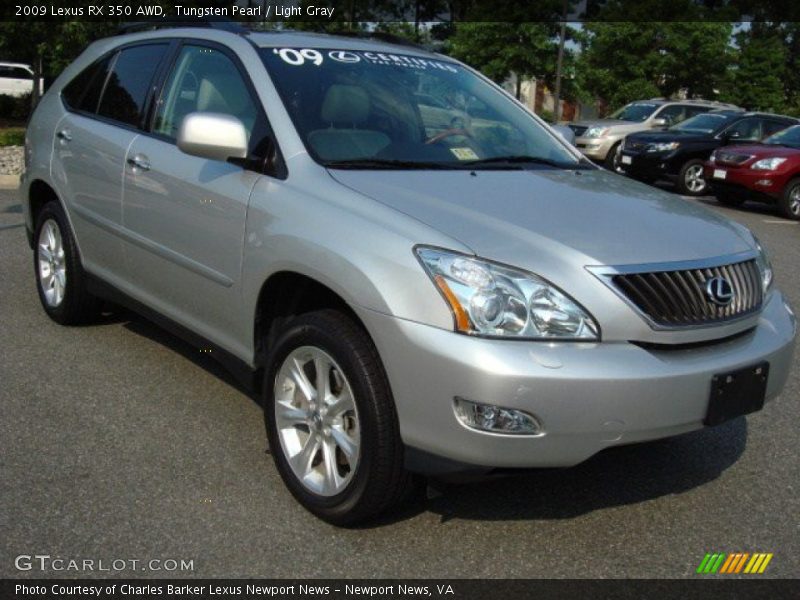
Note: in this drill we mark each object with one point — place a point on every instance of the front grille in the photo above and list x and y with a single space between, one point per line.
679 298
730 158
578 129
634 146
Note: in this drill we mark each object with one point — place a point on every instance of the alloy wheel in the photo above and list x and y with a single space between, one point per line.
52 266
695 182
794 201
317 420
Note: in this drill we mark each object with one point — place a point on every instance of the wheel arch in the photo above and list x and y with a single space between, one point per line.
39 193
286 294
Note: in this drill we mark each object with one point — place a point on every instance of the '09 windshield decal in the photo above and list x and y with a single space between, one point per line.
298 57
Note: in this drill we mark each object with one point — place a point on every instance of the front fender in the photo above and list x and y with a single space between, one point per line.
357 247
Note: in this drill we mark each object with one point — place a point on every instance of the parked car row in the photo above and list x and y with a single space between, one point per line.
734 154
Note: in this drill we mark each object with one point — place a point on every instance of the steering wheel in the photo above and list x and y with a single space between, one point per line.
448 133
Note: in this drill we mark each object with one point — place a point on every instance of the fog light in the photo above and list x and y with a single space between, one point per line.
764 182
497 419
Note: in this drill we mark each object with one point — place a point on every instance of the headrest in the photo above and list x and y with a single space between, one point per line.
223 93
345 104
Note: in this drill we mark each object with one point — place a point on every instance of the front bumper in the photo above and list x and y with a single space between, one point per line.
595 148
650 164
588 396
745 179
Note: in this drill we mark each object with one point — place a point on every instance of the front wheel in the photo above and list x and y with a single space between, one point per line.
691 181
613 159
331 420
789 202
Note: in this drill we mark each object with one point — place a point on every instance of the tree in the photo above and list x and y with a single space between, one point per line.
498 50
625 61
756 80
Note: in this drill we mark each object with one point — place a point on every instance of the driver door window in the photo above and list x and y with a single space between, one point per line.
204 80
748 130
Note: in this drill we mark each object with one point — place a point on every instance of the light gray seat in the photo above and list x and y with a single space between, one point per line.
346 108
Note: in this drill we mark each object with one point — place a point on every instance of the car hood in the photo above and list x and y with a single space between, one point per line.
619 127
585 217
601 123
671 136
766 150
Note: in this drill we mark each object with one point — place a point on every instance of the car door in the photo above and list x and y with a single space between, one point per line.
187 214
105 107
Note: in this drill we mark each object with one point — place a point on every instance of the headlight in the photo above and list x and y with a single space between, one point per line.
713 156
596 132
768 164
665 147
764 266
488 299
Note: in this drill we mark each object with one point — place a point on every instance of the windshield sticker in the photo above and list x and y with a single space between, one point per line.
298 57
464 153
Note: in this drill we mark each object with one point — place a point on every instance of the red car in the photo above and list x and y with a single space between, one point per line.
767 172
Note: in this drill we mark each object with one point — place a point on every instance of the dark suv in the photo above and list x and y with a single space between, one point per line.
678 153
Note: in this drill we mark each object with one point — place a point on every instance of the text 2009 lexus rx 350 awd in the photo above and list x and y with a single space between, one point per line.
413 289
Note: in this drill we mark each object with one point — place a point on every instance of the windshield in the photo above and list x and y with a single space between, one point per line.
373 110
636 111
788 137
704 123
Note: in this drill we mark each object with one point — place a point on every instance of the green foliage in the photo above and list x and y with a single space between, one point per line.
626 61
15 108
756 80
12 136
528 50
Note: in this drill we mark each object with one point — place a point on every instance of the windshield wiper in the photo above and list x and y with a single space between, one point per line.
517 160
386 163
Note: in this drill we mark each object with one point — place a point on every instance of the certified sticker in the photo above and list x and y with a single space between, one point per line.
464 153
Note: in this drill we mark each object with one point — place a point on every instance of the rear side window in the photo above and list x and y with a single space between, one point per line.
129 82
771 127
83 92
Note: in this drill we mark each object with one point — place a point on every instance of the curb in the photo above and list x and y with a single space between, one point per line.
9 182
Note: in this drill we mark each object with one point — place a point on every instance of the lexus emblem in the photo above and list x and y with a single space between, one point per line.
719 291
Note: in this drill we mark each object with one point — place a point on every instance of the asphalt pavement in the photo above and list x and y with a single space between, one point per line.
120 442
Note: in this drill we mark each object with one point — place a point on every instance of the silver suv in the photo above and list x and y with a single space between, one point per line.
409 296
600 139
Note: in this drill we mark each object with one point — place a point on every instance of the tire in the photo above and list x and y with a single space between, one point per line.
60 278
611 161
789 202
687 178
307 448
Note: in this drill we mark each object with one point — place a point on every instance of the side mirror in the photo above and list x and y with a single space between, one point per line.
212 135
565 132
660 122
729 137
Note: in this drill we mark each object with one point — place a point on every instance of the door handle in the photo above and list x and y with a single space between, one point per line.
139 161
65 135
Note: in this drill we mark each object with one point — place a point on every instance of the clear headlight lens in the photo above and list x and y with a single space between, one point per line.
764 266
768 164
596 132
494 300
665 147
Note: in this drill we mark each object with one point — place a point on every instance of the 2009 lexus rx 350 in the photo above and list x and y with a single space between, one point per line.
412 290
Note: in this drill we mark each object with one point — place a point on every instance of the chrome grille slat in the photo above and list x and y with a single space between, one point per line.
679 298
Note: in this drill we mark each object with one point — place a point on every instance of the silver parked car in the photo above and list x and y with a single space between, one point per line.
406 301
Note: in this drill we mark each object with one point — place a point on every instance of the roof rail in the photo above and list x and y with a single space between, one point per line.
207 23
